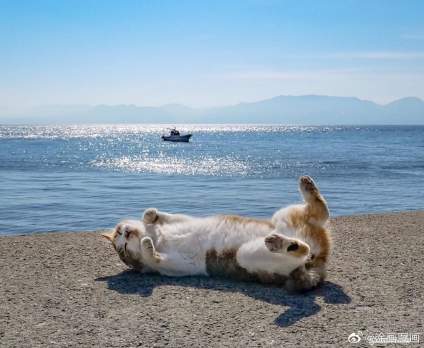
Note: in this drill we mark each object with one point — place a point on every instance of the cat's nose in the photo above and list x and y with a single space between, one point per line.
127 233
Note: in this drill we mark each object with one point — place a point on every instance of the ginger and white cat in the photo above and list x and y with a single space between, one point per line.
291 249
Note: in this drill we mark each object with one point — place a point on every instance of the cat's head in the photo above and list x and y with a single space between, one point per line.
125 239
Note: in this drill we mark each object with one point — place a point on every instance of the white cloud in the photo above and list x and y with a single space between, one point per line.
378 55
280 75
419 36
319 74
366 55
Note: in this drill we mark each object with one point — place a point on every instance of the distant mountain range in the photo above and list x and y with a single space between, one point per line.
307 109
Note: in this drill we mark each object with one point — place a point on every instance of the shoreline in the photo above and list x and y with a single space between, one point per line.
69 289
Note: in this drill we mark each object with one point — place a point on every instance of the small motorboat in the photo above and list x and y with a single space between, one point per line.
175 136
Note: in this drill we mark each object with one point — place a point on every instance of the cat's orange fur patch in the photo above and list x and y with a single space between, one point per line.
317 209
301 251
245 220
322 237
313 212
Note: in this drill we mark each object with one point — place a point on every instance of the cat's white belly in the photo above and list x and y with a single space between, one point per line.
206 234
190 244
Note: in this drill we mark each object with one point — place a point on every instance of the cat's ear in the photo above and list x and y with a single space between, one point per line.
108 236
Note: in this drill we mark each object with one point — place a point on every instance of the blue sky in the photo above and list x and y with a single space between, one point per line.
202 53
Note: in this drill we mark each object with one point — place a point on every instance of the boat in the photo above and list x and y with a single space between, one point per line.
176 136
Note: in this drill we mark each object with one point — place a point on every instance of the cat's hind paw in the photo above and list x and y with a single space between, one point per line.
307 184
308 187
150 216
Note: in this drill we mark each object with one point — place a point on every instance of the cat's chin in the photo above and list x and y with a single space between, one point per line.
132 262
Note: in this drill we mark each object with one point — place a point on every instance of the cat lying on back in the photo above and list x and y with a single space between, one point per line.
292 249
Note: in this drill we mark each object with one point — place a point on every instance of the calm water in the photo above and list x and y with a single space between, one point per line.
89 177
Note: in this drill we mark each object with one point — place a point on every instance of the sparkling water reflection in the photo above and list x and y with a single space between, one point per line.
88 177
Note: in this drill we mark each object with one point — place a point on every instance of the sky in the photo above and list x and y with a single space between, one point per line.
207 53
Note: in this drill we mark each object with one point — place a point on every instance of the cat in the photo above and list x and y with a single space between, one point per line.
292 249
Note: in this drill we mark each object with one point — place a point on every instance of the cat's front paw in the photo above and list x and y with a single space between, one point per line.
150 216
148 249
147 244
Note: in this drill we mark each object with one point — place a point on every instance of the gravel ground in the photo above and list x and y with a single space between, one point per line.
70 289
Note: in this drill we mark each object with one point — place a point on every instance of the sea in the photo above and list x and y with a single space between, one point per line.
88 177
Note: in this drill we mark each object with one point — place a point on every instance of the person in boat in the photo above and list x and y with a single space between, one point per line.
174 132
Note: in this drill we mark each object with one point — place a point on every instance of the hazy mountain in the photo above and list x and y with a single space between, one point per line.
308 109
406 110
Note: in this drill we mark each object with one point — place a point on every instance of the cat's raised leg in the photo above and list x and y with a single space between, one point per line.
154 216
314 211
